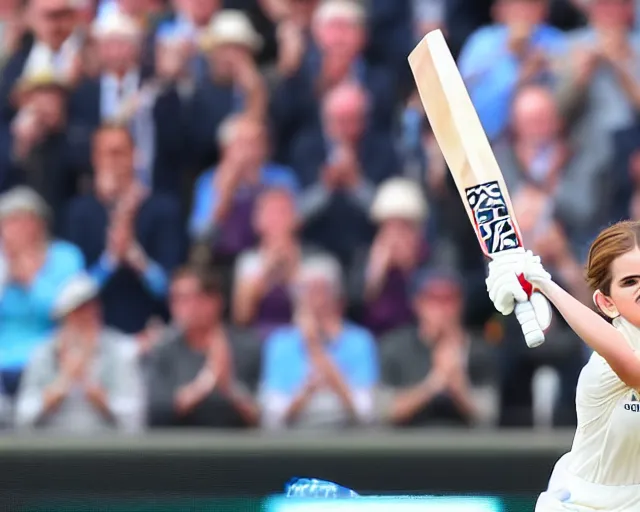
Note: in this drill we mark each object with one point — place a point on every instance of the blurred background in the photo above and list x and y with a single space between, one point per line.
231 252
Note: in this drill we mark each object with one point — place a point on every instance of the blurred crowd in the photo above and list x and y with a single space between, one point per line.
233 213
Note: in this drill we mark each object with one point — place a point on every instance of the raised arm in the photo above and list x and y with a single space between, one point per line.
503 286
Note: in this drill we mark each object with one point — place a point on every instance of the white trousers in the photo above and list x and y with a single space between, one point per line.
569 493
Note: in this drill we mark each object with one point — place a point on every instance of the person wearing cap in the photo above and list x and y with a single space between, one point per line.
54 42
322 370
205 372
425 366
335 55
234 84
381 275
40 152
107 98
36 266
86 378
339 164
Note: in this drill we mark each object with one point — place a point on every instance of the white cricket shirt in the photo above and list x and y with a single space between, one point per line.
606 447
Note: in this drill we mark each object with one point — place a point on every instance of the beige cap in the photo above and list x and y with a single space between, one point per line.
76 292
22 200
340 9
399 198
37 80
231 27
116 23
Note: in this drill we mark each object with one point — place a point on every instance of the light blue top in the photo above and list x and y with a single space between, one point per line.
205 196
491 71
287 365
25 313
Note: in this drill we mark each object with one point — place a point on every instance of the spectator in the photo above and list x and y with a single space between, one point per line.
234 84
202 375
263 276
35 268
427 366
107 97
132 239
498 58
600 89
336 55
224 197
340 166
39 153
53 44
382 275
321 371
85 379
573 174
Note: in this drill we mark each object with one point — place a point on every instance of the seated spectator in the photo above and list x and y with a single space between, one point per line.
224 197
427 366
233 85
35 267
262 277
131 239
106 97
573 174
340 166
382 275
205 372
39 156
86 379
336 55
321 371
525 44
599 90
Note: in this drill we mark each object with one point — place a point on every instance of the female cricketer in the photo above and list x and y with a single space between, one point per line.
602 470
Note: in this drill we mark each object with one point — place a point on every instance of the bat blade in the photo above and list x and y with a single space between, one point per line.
464 144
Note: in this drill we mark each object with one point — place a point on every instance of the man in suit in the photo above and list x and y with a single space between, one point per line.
53 42
340 164
132 239
107 97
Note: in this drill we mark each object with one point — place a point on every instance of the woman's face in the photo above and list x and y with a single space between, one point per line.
625 285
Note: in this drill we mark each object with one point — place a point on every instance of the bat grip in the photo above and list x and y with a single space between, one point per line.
533 334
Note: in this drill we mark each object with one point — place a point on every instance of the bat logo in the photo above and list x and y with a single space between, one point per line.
493 222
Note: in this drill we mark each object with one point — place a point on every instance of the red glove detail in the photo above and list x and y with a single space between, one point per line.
526 285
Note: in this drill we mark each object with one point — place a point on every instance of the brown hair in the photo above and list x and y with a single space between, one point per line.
208 281
611 243
112 126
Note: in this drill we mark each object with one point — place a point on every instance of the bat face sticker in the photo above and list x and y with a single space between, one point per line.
494 225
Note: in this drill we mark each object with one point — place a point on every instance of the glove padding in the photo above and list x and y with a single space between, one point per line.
503 284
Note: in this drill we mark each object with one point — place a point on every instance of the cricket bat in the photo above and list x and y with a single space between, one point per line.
466 149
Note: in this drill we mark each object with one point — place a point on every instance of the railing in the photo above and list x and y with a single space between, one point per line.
161 467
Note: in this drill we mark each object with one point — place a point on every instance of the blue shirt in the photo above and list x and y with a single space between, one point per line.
205 196
287 365
25 313
491 71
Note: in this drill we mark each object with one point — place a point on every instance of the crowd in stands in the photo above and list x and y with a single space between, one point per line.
233 213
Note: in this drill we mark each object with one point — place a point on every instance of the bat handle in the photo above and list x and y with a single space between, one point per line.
533 333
